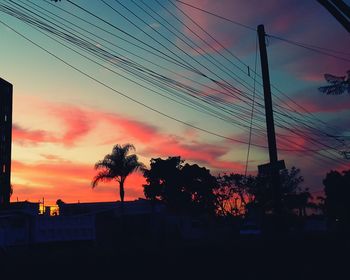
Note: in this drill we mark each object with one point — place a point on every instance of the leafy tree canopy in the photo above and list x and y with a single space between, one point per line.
183 187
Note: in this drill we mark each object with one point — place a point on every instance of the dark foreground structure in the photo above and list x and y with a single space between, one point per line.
304 257
5 141
138 241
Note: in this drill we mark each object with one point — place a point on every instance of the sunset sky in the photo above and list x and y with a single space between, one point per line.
64 121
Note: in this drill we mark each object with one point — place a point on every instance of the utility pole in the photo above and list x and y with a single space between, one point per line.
339 9
271 137
273 169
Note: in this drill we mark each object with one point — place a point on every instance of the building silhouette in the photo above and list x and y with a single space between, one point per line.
5 141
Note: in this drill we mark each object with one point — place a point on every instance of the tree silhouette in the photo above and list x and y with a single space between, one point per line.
200 184
117 166
183 188
295 197
338 85
255 193
337 191
233 193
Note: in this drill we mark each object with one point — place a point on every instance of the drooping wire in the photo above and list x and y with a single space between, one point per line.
321 50
276 96
252 112
125 95
218 16
276 111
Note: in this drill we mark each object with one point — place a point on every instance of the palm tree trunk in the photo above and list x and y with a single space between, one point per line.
121 190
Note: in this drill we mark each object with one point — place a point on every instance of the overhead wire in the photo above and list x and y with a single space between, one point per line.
296 43
321 50
153 81
252 112
182 23
293 110
123 94
199 37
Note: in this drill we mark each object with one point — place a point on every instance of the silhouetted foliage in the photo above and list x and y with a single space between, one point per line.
117 166
233 193
318 205
337 191
337 85
183 187
236 193
294 196
59 202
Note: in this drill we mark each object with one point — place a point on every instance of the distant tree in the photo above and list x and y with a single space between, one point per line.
295 197
256 192
117 166
59 202
226 197
318 205
337 191
184 188
233 193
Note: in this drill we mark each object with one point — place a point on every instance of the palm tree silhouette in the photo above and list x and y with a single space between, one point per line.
117 166
338 85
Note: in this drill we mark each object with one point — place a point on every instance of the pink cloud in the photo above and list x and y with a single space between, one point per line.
310 66
78 123
197 26
163 144
301 23
278 18
25 136
316 102
135 129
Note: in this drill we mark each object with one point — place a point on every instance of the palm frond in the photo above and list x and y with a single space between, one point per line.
332 90
334 79
117 166
103 176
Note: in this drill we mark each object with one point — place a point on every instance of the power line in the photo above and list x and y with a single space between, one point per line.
321 50
90 50
252 112
218 16
88 58
125 95
227 50
130 98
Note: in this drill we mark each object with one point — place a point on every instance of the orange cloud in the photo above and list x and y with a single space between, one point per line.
80 122
57 178
67 181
